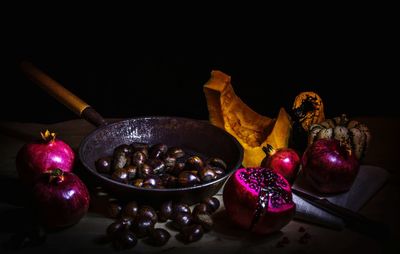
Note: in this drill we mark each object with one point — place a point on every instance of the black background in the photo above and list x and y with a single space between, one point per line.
128 69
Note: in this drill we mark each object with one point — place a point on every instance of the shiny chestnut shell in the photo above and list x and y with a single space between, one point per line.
147 212
138 158
182 220
166 211
157 151
191 233
187 179
103 165
131 209
159 237
114 209
207 174
212 203
120 175
125 239
194 163
143 227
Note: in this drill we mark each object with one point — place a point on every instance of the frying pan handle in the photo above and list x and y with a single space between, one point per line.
61 94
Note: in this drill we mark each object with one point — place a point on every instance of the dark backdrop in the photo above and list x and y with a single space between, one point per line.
127 73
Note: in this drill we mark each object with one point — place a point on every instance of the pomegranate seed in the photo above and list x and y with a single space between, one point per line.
303 240
285 240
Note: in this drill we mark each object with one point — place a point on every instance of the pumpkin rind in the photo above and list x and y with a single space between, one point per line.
312 113
252 130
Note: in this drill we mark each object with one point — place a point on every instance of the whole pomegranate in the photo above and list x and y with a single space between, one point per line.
329 166
258 200
285 161
60 198
37 157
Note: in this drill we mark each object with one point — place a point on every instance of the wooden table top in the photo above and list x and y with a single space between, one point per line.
384 206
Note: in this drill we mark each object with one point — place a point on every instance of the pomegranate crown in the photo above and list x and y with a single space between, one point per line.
56 175
48 136
269 150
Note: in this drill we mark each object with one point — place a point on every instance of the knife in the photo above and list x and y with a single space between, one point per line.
352 219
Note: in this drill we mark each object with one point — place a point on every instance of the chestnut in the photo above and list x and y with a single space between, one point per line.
169 181
180 208
147 212
201 208
181 220
119 160
187 179
143 227
157 151
138 182
217 162
175 152
152 182
159 237
169 163
131 209
179 166
126 220
219 172
212 203
140 147
103 165
203 219
138 158
157 165
113 228
120 175
145 170
191 233
131 170
114 209
166 211
194 163
124 240
207 174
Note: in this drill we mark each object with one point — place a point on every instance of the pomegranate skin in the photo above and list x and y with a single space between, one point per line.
242 203
329 167
38 157
60 203
286 162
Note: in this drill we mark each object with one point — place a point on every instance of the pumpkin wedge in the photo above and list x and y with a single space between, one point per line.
252 130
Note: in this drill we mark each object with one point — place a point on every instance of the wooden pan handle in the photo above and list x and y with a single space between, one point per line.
61 94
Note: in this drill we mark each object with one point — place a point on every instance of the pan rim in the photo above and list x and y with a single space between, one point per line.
92 171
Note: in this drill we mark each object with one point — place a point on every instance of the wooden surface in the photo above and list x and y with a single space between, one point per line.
224 238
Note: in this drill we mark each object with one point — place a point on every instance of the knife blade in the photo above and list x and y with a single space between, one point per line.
352 219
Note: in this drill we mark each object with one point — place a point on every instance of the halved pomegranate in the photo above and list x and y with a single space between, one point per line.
259 200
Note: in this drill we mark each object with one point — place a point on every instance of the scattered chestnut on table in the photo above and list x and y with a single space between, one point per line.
134 221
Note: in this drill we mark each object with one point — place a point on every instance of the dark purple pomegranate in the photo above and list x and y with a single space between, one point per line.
329 166
259 200
60 198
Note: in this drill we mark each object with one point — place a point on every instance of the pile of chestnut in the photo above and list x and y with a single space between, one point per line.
159 166
134 222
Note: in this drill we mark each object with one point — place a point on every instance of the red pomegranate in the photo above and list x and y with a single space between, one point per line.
60 198
258 200
329 166
285 161
38 157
